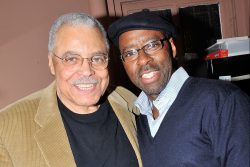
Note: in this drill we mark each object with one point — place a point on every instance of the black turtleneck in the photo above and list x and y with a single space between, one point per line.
97 139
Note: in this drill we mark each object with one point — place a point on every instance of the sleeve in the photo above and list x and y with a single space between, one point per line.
231 138
5 160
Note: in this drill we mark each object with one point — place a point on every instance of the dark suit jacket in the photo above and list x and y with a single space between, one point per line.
32 133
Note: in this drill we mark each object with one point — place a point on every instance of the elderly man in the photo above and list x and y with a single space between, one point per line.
72 122
184 121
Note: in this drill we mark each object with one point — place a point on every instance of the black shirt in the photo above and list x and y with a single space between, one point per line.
98 139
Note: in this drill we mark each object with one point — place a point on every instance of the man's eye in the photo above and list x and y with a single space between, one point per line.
98 59
153 45
71 59
130 53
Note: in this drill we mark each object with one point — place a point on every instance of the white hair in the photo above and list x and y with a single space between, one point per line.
75 19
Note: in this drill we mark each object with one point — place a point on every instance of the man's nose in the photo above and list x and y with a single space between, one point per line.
86 67
143 57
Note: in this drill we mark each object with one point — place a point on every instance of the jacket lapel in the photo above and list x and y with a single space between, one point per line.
52 138
121 101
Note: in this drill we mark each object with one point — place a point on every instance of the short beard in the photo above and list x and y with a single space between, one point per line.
151 91
154 91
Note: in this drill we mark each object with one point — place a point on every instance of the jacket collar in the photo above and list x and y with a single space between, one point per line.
52 138
121 101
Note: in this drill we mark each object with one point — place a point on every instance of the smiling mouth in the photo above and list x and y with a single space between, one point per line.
148 75
85 86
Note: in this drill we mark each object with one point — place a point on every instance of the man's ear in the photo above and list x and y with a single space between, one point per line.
174 51
51 64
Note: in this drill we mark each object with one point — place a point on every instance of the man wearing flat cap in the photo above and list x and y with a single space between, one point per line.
184 121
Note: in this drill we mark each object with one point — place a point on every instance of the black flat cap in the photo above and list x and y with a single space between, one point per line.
145 20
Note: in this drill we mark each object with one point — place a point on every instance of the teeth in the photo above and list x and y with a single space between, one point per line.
85 86
148 75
